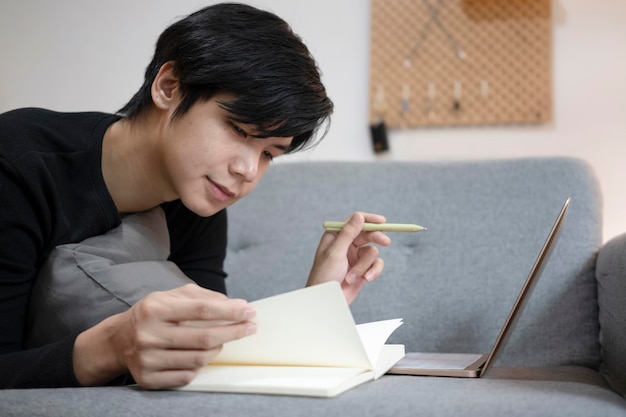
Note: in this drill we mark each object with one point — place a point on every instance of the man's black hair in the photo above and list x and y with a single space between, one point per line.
252 55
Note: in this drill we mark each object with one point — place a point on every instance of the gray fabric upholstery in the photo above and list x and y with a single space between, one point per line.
81 284
578 392
611 272
452 284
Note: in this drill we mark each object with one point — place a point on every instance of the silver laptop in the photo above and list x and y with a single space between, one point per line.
472 365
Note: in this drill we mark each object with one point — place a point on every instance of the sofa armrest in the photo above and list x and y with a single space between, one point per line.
611 276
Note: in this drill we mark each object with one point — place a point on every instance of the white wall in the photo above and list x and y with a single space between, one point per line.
76 55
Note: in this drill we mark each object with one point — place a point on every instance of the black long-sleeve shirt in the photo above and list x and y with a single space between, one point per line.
52 192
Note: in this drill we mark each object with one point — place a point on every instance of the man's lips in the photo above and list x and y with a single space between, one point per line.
220 192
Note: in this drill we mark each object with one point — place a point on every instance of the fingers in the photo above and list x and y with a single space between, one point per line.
167 336
164 379
191 317
171 368
192 336
192 302
367 266
364 260
349 232
174 358
352 232
348 256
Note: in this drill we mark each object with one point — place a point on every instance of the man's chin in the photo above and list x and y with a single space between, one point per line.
204 210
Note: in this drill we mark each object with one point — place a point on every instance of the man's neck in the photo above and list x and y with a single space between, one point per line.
131 164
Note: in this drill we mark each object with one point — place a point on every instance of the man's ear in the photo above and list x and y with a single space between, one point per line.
165 88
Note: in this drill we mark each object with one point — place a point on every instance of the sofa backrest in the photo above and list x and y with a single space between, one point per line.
455 283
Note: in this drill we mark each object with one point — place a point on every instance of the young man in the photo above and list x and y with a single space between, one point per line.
229 88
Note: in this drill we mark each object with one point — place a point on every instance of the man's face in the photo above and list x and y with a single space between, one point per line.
213 161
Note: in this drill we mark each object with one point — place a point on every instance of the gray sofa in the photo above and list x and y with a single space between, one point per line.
452 284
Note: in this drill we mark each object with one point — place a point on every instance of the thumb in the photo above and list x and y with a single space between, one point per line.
349 232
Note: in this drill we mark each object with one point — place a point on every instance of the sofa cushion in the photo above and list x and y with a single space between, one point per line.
81 284
611 274
574 392
455 283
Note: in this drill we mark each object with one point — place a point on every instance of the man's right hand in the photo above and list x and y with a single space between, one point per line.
158 340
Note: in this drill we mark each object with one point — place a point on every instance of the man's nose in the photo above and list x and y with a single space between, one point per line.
246 165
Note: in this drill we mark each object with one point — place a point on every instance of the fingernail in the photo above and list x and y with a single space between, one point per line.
350 278
249 313
251 329
369 276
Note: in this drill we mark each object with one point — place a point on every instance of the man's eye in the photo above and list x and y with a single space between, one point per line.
268 155
239 130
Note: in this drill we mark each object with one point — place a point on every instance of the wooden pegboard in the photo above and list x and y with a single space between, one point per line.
460 62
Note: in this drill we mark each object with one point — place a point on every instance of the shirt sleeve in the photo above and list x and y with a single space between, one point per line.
49 366
20 248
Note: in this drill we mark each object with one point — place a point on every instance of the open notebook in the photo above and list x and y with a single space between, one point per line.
307 344
472 365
